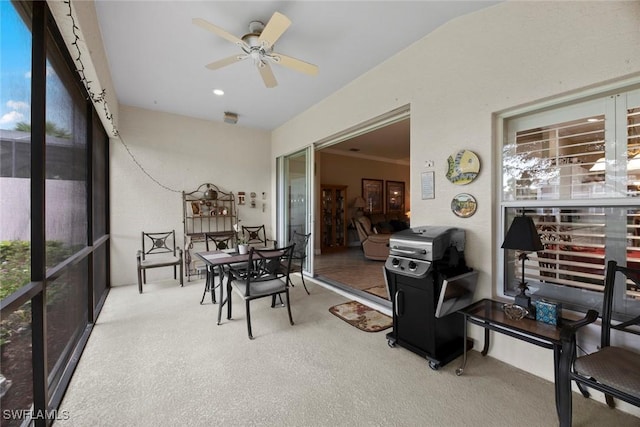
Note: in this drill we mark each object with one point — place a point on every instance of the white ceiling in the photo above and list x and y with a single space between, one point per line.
157 55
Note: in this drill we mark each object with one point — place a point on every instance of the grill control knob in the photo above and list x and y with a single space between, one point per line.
412 265
395 262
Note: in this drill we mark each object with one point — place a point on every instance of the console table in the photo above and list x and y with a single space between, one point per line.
490 315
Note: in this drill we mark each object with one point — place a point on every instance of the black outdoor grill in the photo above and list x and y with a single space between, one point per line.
428 281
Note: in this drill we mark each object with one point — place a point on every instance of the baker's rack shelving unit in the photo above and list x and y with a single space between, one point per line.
206 210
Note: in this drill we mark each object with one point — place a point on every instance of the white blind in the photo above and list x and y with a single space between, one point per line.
560 161
556 160
577 246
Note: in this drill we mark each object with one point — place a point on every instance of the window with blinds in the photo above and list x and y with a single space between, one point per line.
575 170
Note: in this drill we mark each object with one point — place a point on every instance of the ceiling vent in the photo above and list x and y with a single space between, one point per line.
230 118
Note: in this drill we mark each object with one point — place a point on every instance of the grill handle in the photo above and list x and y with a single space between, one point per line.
409 251
399 312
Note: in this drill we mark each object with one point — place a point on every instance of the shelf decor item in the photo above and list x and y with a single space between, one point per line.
548 312
463 168
210 193
515 311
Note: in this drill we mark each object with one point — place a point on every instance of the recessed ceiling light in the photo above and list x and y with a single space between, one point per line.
218 92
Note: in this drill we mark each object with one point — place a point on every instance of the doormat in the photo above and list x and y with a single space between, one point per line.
379 291
362 317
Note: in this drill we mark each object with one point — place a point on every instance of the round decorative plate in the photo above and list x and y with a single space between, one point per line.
463 167
464 205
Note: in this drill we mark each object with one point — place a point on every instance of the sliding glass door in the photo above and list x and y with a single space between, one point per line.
295 199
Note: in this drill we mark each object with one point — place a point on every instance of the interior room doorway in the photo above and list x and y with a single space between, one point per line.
378 152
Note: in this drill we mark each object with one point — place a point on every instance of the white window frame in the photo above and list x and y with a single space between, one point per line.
536 115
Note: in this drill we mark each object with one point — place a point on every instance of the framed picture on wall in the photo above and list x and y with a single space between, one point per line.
372 193
395 197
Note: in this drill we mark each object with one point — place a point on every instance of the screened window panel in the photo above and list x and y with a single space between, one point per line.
100 151
66 314
66 163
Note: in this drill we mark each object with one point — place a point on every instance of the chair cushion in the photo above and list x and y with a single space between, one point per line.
366 223
613 366
266 287
159 261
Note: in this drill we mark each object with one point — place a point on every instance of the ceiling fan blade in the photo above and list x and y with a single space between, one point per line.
267 75
296 64
226 61
218 31
277 25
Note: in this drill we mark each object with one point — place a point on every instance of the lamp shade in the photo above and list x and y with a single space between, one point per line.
599 165
359 202
634 163
522 235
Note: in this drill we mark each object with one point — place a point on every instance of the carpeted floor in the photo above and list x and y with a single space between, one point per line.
159 359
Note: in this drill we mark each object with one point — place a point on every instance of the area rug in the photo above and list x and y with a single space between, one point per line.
379 291
362 317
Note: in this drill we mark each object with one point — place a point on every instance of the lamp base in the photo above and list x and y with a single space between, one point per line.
524 300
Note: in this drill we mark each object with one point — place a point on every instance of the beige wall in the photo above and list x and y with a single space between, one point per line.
181 153
455 80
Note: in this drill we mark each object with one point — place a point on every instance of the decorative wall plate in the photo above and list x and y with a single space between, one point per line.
464 205
464 167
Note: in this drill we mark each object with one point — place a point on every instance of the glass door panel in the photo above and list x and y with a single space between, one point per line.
294 203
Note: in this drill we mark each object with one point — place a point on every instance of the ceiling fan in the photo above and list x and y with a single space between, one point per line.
258 45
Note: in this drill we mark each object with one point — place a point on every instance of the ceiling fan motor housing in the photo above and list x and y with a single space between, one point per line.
256 27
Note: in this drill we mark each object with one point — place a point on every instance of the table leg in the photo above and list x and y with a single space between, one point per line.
206 286
460 370
556 374
213 287
485 348
222 301
228 300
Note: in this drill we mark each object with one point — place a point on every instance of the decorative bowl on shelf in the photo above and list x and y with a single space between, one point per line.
515 311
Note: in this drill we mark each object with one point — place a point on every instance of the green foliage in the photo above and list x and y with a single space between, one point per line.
15 266
50 129
15 263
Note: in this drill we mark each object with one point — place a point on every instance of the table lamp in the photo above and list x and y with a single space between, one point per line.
359 203
523 236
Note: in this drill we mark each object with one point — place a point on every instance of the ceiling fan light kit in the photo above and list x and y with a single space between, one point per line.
258 45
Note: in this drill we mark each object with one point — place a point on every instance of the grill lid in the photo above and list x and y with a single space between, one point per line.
427 243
